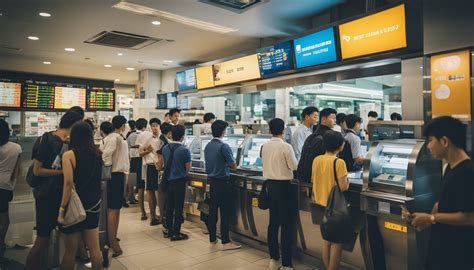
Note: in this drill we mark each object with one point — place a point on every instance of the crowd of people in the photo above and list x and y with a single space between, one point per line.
323 149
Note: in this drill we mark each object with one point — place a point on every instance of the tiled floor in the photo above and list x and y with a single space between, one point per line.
145 248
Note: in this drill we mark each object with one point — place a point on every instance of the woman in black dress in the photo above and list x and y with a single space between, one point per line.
82 167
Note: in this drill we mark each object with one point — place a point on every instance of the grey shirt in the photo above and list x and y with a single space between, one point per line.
355 143
299 137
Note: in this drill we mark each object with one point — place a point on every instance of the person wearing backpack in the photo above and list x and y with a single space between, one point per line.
219 161
327 169
46 154
279 162
9 161
176 163
314 145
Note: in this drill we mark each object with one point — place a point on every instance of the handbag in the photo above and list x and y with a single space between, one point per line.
337 223
263 198
75 212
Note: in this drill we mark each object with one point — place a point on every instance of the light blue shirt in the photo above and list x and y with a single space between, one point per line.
355 143
299 137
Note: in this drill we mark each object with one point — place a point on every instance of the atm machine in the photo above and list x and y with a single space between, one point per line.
401 172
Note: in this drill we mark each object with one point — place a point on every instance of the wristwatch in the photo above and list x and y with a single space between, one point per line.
433 219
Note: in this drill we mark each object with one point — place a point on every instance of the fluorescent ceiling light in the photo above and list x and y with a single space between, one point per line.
119 54
33 38
69 49
144 10
44 14
117 80
156 22
47 63
107 66
129 68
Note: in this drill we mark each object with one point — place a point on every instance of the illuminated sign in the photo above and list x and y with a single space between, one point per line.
186 80
451 85
276 58
66 97
315 49
204 77
380 32
237 70
395 227
10 95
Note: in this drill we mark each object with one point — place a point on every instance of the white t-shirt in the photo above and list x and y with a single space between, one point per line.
9 154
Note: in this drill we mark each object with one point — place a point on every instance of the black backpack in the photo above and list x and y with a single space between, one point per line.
312 147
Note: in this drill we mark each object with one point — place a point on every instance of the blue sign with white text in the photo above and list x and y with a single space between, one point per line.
276 58
186 80
315 49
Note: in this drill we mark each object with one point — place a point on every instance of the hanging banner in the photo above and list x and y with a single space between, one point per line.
237 70
451 85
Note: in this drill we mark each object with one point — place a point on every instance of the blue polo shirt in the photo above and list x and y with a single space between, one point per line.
181 156
218 157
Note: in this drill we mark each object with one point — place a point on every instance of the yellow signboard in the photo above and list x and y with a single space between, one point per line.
395 227
451 84
255 202
380 32
197 184
237 70
204 77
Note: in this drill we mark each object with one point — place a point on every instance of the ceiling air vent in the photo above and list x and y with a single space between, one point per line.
238 6
122 40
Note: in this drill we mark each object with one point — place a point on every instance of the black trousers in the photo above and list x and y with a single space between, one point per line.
220 200
281 215
175 205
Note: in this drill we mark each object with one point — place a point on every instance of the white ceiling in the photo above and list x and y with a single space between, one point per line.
74 21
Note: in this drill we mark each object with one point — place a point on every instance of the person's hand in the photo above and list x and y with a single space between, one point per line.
420 221
406 215
149 148
61 216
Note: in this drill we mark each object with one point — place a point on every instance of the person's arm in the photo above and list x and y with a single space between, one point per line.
422 221
159 162
38 170
109 148
290 158
342 179
187 164
68 161
297 144
229 157
146 149
16 170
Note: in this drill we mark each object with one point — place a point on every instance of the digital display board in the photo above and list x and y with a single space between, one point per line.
166 101
10 95
99 99
237 70
38 96
204 77
379 32
66 97
275 58
315 49
183 103
186 80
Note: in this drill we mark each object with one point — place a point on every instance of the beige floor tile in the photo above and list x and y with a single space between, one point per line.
251 255
125 263
228 262
133 238
157 258
177 265
195 248
142 247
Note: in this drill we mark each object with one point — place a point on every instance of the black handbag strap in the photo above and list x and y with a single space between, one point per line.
335 173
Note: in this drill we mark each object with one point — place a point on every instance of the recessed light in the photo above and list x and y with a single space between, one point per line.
1 14
421 67
167 61
117 80
156 22
33 38
107 66
69 49
47 63
129 68
119 54
44 14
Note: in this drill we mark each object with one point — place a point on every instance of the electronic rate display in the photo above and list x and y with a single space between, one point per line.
10 95
38 96
276 58
99 99
66 97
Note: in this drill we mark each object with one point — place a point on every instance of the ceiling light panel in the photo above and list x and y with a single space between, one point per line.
44 14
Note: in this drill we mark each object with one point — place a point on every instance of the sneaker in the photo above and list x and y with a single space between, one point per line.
230 246
179 237
155 222
286 268
144 217
125 204
213 245
274 264
166 233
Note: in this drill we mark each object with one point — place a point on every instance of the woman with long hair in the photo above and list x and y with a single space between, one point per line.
82 167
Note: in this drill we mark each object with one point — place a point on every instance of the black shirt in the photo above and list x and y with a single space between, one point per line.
452 247
87 176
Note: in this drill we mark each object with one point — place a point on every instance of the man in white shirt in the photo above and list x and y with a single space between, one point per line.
279 162
148 151
115 153
309 118
136 163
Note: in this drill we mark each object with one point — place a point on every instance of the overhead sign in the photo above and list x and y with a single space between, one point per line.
451 84
276 58
186 80
237 70
10 95
99 99
204 77
66 97
380 32
315 49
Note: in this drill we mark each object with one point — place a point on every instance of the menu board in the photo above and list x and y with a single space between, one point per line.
66 97
237 70
275 58
100 100
186 80
183 103
204 77
10 95
166 101
315 49
38 96
380 32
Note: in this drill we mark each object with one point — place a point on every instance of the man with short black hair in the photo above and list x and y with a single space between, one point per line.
340 123
452 217
209 118
372 115
396 117
219 161
309 118
176 163
174 115
166 118
279 162
327 121
136 163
